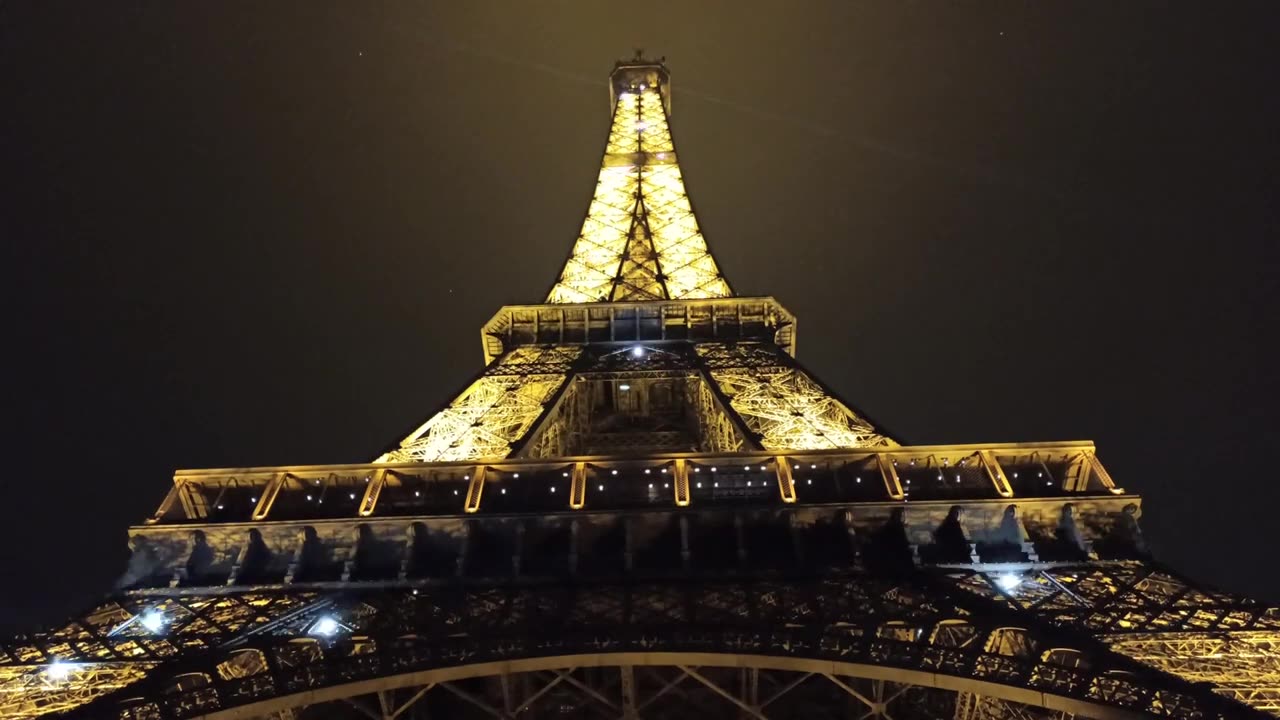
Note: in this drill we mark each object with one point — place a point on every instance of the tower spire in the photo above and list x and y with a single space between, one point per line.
641 343
640 240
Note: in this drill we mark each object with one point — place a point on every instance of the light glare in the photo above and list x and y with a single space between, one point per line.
58 670
153 621
325 627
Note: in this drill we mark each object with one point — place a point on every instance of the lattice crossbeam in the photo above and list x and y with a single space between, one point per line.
640 240
287 648
1241 665
493 413
718 431
31 691
970 706
782 405
681 693
1154 617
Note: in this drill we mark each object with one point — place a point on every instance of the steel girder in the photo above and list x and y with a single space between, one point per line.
220 649
751 395
731 319
679 692
785 407
496 410
1148 613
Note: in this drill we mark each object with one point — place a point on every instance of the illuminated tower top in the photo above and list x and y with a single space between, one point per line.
641 345
640 240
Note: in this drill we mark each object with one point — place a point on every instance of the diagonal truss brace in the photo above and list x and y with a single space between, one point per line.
782 406
492 414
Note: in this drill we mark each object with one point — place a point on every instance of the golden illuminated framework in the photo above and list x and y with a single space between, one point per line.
640 240
1153 616
782 405
493 412
645 507
549 401
707 370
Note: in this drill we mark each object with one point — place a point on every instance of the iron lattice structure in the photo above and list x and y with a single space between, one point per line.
640 240
756 395
645 507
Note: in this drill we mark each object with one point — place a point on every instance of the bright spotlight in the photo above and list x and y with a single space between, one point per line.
58 670
153 621
624 387
325 627
1008 582
637 351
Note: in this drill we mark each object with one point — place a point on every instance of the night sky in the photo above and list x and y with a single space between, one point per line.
264 233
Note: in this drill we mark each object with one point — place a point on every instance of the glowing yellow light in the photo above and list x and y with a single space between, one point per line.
640 240
496 411
787 409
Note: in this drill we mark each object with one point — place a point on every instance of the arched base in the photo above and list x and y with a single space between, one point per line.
609 681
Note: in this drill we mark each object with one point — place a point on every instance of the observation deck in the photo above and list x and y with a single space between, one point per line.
1023 504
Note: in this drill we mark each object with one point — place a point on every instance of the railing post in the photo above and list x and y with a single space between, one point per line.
996 473
261 510
681 483
475 489
578 486
889 472
371 493
786 484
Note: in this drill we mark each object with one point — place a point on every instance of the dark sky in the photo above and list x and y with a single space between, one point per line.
260 233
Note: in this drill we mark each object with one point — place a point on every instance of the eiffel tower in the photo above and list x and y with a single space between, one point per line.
645 507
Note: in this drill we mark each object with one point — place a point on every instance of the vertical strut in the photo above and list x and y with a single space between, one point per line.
475 489
628 693
371 493
786 484
578 486
681 483
889 472
995 473
269 496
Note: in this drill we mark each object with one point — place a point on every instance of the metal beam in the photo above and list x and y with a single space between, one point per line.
671 685
681 482
995 473
627 677
889 472
475 489
409 703
844 686
786 689
786 484
754 712
578 486
542 691
587 689
474 700
372 491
